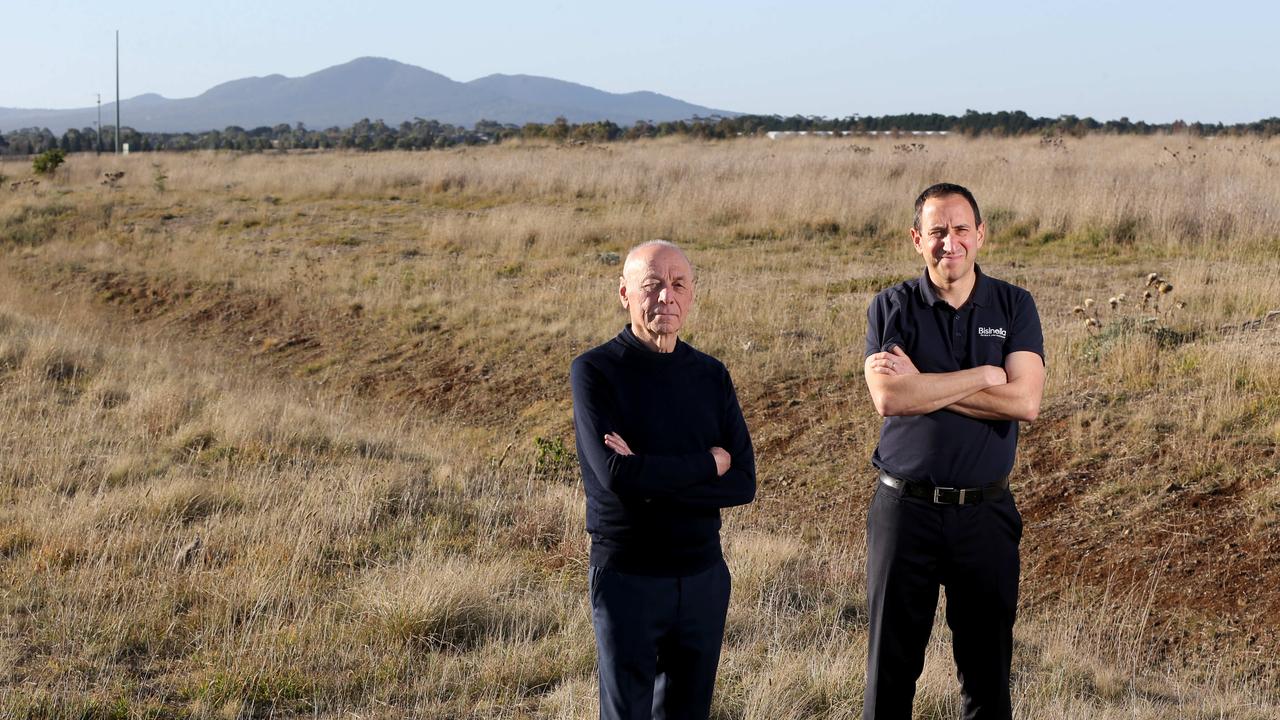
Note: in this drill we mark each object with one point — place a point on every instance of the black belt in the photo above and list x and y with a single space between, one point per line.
946 495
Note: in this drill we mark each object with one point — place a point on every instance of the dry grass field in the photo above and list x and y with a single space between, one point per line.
289 435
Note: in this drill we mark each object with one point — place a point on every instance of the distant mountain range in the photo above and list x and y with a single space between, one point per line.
373 88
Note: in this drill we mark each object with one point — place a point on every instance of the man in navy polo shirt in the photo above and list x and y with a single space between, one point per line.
954 359
663 447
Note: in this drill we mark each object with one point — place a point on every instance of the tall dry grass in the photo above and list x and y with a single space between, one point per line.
351 562
362 555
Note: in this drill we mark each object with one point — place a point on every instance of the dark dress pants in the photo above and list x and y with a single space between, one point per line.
658 641
913 547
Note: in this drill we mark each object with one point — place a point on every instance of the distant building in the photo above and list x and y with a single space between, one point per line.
776 134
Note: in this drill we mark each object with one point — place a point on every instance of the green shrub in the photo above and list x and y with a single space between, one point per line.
552 459
48 161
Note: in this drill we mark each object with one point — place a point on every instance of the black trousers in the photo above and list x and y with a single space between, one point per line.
658 641
915 546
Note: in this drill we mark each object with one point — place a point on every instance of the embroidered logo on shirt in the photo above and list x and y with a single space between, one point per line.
991 332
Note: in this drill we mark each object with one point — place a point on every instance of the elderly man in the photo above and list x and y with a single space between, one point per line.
954 359
662 446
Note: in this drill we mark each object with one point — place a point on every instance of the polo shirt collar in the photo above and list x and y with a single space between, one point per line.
981 294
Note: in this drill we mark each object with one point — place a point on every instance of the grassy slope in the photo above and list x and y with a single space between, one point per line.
362 349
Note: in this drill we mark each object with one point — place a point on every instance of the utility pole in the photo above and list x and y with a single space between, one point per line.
97 128
117 92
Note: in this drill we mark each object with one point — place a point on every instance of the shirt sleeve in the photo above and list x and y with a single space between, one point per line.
1025 333
883 319
631 476
738 485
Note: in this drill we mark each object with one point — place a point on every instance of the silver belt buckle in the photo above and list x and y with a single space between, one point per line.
937 495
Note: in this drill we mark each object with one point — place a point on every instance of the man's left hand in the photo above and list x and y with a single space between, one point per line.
614 442
895 362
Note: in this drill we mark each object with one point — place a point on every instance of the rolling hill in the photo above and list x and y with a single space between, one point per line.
374 88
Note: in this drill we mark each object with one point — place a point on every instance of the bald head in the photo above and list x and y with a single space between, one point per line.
641 255
656 288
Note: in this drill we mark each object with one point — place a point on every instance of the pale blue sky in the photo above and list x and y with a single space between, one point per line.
1154 61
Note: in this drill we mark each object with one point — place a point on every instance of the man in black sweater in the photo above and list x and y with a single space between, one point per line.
663 446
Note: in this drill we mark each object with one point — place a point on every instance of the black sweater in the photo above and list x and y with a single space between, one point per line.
657 512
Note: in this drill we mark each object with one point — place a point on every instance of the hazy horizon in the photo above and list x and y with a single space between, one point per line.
1143 61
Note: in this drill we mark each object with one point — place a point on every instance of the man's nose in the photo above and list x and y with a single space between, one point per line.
664 295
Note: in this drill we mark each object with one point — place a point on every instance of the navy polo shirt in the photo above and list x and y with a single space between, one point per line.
945 448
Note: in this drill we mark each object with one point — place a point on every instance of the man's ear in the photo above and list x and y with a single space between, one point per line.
916 237
982 234
622 291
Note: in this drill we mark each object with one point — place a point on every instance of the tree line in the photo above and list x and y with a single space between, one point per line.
420 134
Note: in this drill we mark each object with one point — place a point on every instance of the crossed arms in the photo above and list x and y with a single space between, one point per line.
718 477
986 392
